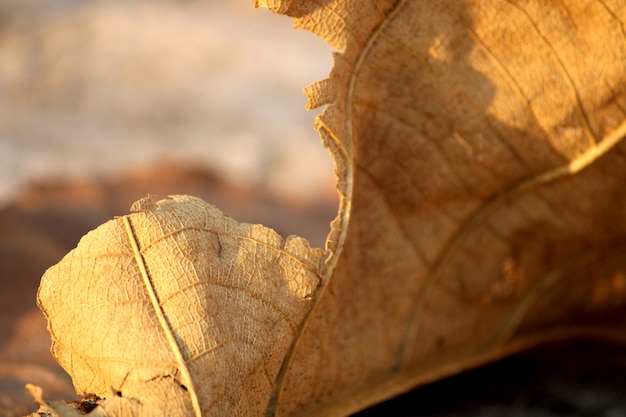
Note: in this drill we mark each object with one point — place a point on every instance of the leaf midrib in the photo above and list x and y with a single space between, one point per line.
165 326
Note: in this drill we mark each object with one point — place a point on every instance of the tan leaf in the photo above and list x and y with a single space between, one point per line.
479 148
480 161
166 304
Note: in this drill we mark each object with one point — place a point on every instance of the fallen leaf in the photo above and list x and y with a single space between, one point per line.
480 160
165 304
47 220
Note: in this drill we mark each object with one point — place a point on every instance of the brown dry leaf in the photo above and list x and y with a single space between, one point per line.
166 304
481 166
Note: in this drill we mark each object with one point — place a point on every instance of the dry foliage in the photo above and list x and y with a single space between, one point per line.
481 165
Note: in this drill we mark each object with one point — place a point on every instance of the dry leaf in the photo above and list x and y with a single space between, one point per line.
165 304
481 166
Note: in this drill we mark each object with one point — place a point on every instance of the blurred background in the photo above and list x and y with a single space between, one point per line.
93 89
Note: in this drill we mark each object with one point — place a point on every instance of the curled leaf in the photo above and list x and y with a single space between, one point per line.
165 304
480 158
480 155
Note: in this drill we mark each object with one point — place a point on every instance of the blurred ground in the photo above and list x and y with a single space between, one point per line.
575 379
104 101
96 88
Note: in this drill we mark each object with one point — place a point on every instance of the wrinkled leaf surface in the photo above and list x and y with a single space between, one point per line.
480 160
